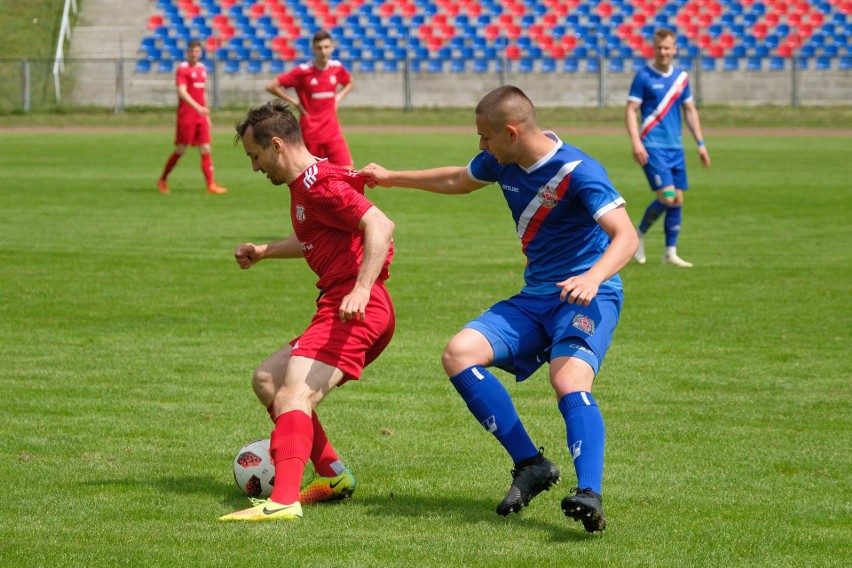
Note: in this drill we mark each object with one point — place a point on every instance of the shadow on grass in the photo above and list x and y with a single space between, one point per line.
466 510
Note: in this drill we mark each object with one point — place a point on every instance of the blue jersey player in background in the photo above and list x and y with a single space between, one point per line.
576 235
658 91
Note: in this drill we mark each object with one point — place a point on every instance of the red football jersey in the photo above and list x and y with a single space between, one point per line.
326 205
195 79
316 89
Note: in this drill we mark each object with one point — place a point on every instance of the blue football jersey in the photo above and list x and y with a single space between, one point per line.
660 96
555 204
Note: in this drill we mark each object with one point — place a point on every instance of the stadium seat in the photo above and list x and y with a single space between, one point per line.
754 63
143 66
776 63
255 66
232 66
731 63
276 66
165 66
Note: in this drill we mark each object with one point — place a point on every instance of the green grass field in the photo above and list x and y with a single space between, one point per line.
128 337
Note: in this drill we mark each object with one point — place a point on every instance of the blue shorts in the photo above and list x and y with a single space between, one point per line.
526 330
666 167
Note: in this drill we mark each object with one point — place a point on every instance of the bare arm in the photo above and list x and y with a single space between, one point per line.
274 88
447 180
694 124
183 94
583 288
640 154
341 94
378 235
248 254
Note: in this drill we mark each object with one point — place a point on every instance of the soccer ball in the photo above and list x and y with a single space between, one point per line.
254 471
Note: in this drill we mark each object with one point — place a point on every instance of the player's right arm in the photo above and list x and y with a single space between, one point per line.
448 180
640 154
249 254
274 87
183 94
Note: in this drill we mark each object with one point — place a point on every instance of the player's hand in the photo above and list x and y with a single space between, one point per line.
704 155
248 254
375 175
580 290
204 111
354 305
640 154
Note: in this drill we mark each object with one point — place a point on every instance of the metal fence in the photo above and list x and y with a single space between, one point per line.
28 85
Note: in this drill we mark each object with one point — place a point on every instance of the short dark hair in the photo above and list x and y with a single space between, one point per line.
506 105
663 33
271 120
320 36
194 43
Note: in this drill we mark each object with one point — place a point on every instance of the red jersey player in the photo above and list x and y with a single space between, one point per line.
193 118
347 242
320 86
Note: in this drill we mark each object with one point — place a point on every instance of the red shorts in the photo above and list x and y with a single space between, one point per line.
349 346
335 150
193 133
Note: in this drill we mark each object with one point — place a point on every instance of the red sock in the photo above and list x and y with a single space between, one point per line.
322 454
207 168
290 448
173 160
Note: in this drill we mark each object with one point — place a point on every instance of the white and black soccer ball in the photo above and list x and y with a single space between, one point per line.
254 471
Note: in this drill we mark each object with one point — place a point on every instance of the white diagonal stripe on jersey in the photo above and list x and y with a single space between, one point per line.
652 119
310 175
535 203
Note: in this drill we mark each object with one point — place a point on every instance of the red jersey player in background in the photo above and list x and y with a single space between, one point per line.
348 242
320 86
193 118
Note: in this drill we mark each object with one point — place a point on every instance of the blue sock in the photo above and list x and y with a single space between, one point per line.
489 401
652 213
586 435
673 217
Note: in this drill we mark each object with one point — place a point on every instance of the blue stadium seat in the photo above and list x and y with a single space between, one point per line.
480 65
823 63
367 65
458 65
526 65
548 65
616 65
845 62
276 66
708 63
232 66
143 66
593 64
165 66
731 63
390 65
776 63
435 66
639 63
754 63
255 66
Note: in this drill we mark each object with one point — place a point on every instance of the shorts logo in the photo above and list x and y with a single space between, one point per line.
658 181
490 424
300 213
583 323
547 197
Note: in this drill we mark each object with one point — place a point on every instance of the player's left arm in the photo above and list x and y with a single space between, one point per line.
339 96
583 288
378 235
694 124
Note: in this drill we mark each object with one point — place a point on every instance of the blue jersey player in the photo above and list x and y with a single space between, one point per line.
576 236
658 91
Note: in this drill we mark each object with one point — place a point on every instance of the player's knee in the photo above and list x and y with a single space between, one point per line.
263 383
